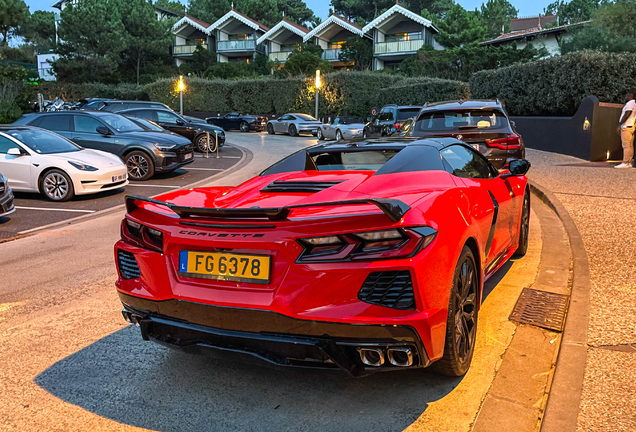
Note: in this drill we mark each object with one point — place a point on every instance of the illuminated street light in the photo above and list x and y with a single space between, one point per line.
181 87
318 84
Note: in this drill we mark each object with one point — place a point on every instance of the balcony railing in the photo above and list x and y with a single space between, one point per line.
281 56
184 49
331 54
398 47
239 45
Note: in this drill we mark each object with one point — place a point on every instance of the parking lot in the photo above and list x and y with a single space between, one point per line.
34 211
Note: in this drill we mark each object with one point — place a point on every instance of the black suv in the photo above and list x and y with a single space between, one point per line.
143 152
389 120
483 124
170 120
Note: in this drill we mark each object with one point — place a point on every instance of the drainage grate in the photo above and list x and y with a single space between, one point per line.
541 308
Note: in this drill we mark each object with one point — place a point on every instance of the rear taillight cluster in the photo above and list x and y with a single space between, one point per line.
142 235
512 142
372 245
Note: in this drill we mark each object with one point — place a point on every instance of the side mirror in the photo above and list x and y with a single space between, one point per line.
14 151
514 124
103 130
519 167
180 122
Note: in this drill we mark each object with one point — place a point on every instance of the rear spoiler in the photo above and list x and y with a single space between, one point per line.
394 209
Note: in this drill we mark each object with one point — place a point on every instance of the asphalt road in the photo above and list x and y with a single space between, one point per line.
71 363
34 210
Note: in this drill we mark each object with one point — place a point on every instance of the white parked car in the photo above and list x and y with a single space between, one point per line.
293 124
38 160
342 127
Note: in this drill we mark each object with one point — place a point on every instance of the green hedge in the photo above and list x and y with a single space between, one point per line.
355 92
74 92
556 86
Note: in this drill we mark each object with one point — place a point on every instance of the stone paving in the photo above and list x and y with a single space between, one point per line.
602 202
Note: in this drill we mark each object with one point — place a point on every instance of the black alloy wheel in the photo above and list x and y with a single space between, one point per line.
201 143
244 126
524 227
56 185
140 166
270 129
461 324
338 135
292 130
319 135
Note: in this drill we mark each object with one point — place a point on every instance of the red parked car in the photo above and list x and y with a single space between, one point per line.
362 257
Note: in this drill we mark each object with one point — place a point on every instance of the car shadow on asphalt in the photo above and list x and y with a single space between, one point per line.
494 280
143 384
36 197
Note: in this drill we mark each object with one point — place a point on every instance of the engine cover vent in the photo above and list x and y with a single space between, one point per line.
299 186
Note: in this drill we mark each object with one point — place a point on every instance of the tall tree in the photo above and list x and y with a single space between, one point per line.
172 5
460 27
268 12
365 9
496 15
39 29
574 11
357 53
12 14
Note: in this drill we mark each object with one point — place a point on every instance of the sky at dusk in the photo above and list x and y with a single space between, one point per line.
321 7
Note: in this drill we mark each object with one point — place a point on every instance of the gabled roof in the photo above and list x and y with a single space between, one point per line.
531 32
286 24
398 8
169 11
526 23
194 22
240 17
338 20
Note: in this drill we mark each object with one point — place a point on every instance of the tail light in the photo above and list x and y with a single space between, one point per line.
397 126
512 142
372 245
142 235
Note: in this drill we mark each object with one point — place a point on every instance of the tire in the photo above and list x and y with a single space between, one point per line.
244 126
201 143
140 166
293 131
459 346
338 135
57 186
270 129
319 135
524 227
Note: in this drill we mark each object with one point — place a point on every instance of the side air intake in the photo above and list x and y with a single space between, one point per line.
299 186
393 289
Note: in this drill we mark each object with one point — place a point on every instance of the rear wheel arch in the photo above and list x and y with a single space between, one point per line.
472 244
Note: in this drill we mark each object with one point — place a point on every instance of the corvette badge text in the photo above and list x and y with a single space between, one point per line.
205 234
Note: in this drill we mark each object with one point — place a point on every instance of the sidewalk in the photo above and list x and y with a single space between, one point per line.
602 202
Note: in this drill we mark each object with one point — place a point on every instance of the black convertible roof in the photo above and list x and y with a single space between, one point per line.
383 144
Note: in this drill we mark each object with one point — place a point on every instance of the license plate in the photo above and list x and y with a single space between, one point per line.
119 178
188 156
225 266
475 146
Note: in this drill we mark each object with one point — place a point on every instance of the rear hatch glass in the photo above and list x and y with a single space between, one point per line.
460 120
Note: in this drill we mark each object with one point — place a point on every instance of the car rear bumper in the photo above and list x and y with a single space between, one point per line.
272 337
6 203
258 126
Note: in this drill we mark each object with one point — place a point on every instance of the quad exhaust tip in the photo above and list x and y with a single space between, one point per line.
131 317
400 356
397 356
371 356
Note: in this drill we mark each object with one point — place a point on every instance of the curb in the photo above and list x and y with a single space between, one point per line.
245 159
562 409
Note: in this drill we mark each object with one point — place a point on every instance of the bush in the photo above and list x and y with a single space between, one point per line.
354 92
9 91
420 91
556 86
74 92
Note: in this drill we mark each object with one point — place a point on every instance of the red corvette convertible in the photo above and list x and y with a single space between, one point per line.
365 256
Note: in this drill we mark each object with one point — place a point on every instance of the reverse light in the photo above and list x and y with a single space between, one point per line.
324 241
512 142
141 235
381 235
82 166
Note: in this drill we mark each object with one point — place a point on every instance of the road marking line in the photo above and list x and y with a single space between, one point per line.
206 169
214 157
55 209
153 185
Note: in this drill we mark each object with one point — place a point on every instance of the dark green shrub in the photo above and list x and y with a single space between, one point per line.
556 86
74 92
419 91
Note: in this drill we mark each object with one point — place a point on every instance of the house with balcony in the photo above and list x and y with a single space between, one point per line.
282 39
331 34
237 36
397 34
188 33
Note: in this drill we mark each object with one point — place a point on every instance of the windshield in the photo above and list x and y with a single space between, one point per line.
305 117
371 160
147 124
407 113
455 120
120 123
43 141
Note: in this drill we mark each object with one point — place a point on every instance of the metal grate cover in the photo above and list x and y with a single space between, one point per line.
127 265
541 309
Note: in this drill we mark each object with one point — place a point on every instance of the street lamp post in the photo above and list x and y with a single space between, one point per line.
181 87
318 83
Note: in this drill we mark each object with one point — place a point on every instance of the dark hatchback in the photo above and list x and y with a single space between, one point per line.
483 124
170 120
389 120
144 152
6 197
236 121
